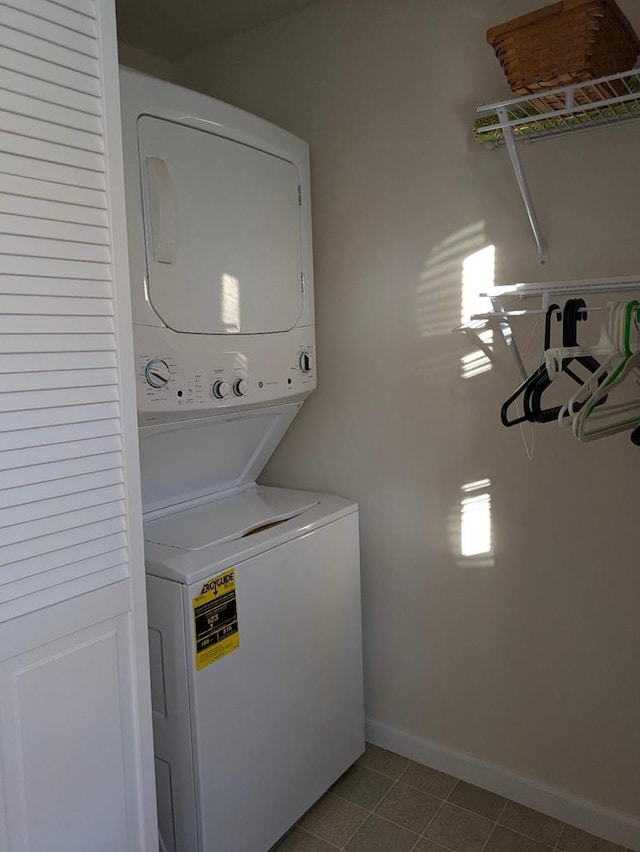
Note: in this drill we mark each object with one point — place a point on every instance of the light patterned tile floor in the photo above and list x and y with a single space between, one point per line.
386 803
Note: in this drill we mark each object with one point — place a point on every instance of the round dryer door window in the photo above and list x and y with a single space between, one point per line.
222 232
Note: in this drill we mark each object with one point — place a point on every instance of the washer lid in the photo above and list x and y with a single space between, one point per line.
198 458
228 519
222 232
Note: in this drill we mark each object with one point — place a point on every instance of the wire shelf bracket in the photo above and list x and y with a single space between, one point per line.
554 112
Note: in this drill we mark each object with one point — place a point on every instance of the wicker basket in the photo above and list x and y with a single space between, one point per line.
568 42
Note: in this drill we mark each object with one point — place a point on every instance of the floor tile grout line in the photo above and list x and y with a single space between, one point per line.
367 811
377 802
377 771
496 823
504 807
543 843
382 817
396 781
428 825
323 839
317 837
468 811
404 772
413 786
447 798
418 839
384 796
557 847
393 753
396 824
422 790
438 842
491 833
372 812
420 835
537 840
552 847
366 817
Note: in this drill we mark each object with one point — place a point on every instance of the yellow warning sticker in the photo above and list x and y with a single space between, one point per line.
215 618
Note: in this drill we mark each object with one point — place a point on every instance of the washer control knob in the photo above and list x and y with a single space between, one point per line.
304 361
240 387
220 389
157 373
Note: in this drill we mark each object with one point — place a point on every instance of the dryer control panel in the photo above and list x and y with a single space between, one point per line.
175 382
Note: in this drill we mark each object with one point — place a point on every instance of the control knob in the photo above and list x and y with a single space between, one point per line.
220 389
240 387
304 361
157 373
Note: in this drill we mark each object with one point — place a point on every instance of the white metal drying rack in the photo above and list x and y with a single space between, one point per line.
554 112
545 291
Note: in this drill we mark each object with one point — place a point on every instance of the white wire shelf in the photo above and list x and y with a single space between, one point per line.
569 109
555 112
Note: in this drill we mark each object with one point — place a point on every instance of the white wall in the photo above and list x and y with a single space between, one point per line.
530 659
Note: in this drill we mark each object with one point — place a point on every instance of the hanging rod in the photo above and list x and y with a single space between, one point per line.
525 312
546 291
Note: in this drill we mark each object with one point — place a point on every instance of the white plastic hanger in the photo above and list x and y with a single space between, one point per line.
594 421
608 346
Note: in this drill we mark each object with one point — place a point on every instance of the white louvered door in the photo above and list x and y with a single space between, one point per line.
76 760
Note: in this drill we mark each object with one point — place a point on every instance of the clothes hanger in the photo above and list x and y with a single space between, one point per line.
606 345
606 348
533 393
552 310
574 312
590 424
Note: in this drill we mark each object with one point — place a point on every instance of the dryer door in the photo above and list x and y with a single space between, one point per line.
222 232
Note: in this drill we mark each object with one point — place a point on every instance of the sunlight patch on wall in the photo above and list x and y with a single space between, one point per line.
438 292
478 276
475 519
479 361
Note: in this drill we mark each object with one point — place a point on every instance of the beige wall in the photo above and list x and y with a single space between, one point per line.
145 62
528 660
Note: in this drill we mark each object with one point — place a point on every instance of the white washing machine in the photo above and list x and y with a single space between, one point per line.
253 592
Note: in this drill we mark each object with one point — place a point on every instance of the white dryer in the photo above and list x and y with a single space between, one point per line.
253 592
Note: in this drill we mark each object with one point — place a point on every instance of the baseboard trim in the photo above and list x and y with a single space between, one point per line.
603 822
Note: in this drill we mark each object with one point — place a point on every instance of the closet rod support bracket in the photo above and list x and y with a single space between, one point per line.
523 186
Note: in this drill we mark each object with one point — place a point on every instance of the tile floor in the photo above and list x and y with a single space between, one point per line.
386 803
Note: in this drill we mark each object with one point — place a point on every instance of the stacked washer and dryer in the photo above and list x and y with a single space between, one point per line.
253 592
